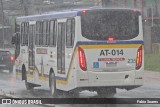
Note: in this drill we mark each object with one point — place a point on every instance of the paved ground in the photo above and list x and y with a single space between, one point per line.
150 89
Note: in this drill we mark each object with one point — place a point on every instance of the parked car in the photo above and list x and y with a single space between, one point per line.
6 60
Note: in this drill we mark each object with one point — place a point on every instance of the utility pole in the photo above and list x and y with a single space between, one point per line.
105 3
2 22
24 5
152 14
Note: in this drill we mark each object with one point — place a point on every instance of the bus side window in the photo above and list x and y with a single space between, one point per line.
70 27
37 33
53 33
41 34
45 33
17 41
24 33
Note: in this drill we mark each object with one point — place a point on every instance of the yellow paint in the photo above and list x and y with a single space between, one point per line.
18 73
31 76
43 78
62 82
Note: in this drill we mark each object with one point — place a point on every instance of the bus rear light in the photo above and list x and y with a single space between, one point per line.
135 10
111 38
139 58
82 59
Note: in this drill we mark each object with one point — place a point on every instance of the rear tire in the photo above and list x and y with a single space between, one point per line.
29 86
52 82
106 92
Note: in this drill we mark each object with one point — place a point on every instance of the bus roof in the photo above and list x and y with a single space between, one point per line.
55 15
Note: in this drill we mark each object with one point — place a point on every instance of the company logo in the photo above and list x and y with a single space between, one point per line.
6 101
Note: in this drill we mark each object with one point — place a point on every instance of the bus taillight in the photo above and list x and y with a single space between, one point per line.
111 38
82 59
139 58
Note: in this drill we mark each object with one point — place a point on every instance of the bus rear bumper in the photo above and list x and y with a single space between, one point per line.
78 89
127 79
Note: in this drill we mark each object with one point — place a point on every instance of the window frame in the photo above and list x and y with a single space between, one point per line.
24 33
72 33
47 31
55 33
39 32
21 32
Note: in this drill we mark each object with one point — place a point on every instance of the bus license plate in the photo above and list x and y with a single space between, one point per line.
111 64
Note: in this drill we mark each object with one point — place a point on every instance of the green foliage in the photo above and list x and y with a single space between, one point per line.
152 62
88 1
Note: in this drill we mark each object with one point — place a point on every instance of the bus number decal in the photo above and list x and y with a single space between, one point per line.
111 52
131 60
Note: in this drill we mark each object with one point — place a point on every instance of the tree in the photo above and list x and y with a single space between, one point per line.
24 6
106 2
58 1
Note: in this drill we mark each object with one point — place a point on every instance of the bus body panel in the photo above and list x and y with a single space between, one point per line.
111 79
111 63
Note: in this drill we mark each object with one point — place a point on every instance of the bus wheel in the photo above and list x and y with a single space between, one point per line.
106 92
29 86
52 83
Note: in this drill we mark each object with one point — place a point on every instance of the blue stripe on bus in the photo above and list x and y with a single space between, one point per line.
110 42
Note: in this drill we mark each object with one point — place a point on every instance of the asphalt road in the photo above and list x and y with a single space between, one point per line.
150 89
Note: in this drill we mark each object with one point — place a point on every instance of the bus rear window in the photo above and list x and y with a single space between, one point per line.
102 24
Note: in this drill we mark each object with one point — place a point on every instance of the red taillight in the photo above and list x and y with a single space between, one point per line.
139 58
11 58
82 59
111 38
84 11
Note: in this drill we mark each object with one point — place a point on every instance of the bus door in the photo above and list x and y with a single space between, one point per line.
31 48
70 37
61 48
